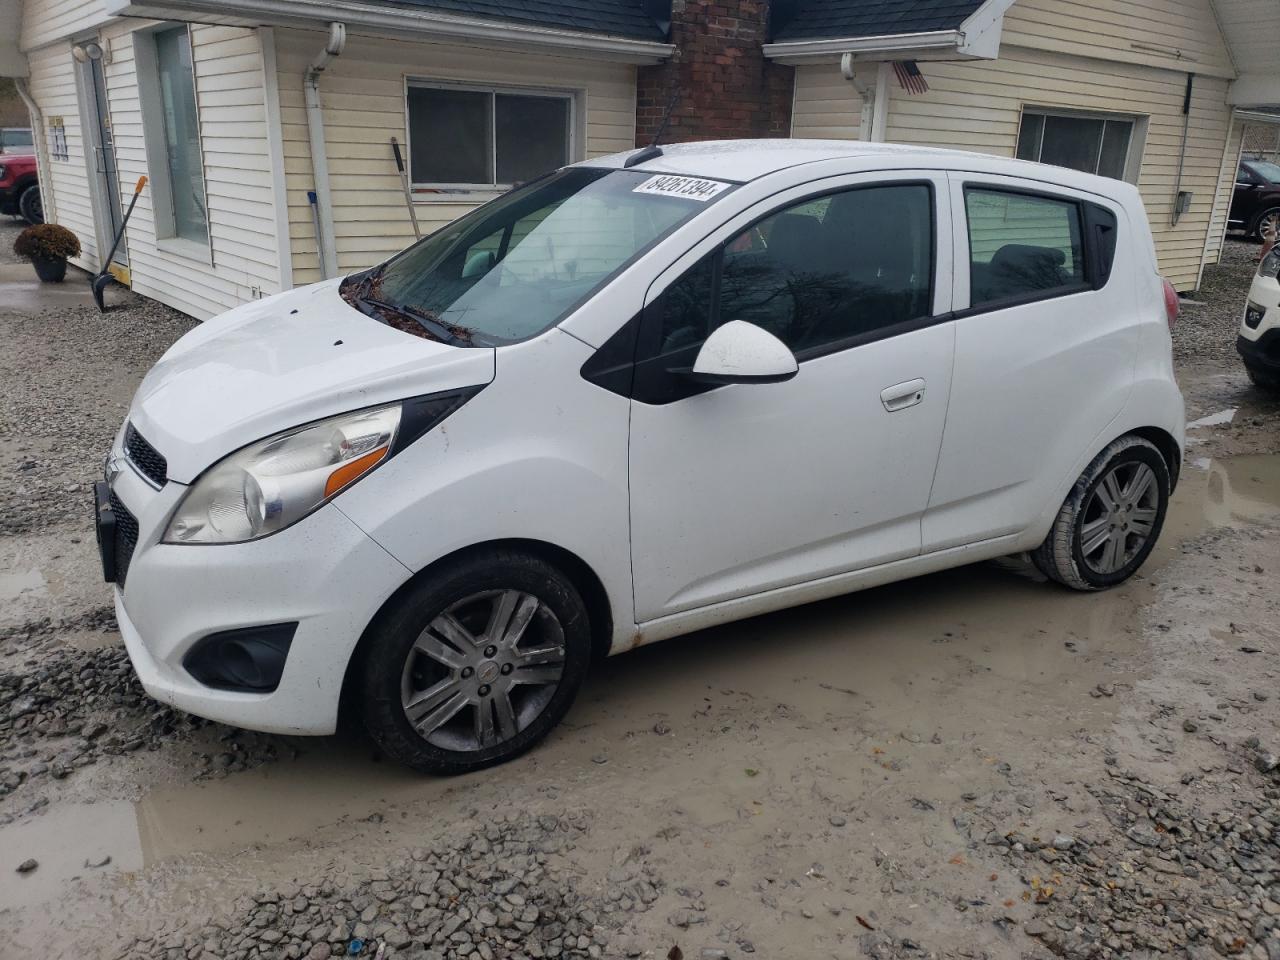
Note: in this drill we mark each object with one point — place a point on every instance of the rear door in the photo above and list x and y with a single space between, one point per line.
741 489
1046 341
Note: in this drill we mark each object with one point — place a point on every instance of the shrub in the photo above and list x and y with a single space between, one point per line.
47 241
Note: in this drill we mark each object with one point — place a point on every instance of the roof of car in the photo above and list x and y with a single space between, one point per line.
740 161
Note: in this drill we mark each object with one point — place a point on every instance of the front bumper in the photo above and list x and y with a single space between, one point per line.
1263 354
324 573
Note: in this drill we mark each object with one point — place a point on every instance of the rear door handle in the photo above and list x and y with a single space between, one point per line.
902 395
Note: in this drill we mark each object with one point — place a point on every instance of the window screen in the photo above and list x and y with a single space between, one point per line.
485 137
1022 245
1091 144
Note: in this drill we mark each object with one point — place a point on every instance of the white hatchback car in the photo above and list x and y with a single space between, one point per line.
643 395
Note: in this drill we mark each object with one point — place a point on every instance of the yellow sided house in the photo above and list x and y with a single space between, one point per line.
266 128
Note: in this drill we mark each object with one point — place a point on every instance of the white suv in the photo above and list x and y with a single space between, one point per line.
643 395
1258 342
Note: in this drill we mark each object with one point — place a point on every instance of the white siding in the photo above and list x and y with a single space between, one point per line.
53 86
826 105
362 93
1226 185
44 21
1176 34
237 171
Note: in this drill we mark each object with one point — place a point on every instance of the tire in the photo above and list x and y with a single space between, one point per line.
479 695
30 205
1262 381
1072 554
1255 227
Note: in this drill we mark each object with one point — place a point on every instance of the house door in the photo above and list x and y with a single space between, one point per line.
104 178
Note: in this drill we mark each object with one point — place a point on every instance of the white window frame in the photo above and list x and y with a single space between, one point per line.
147 66
449 192
1137 134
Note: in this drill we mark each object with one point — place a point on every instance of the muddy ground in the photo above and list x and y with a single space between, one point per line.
972 764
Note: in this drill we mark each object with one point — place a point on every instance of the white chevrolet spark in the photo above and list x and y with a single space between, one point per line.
643 395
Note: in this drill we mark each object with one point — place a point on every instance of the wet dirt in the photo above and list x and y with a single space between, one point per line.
793 780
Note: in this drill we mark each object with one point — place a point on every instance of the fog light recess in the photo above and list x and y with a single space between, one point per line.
250 659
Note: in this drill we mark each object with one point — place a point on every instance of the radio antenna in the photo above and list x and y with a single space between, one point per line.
653 150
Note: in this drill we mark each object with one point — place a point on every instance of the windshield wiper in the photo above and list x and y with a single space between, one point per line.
362 297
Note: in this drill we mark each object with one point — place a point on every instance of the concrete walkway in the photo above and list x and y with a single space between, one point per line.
20 289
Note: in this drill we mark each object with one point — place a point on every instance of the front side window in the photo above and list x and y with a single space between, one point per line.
180 136
486 138
513 267
1022 245
815 273
1092 144
1264 170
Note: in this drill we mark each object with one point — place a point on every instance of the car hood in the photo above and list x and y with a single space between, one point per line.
282 362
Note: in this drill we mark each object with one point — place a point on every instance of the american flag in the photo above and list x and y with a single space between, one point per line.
909 77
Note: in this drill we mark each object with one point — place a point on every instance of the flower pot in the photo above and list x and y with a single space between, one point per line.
50 270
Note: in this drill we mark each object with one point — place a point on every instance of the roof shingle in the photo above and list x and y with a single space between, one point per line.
618 18
832 19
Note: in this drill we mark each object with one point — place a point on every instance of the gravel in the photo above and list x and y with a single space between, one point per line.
10 227
1169 878
1206 329
63 709
493 890
56 428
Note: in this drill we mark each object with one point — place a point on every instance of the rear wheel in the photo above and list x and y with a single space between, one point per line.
1110 521
476 665
30 206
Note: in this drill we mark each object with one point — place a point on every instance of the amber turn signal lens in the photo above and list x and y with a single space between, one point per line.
349 472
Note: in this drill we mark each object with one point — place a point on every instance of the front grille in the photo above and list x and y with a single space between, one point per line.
145 457
126 537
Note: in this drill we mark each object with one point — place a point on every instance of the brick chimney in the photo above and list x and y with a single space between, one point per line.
727 89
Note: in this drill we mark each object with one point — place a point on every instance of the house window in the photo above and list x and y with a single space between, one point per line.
468 137
1093 144
172 131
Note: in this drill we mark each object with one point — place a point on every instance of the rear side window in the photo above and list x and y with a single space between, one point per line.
1023 246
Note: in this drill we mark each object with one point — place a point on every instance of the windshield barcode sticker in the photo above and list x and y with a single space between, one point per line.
691 188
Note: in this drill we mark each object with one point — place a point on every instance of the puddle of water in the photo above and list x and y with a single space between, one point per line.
1214 419
1242 490
63 842
14 585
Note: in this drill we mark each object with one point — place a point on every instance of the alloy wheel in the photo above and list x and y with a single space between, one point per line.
1119 517
1269 226
483 670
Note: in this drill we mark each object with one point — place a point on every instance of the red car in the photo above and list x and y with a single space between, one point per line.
19 187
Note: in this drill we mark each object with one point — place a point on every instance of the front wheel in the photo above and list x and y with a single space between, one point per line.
1266 224
474 666
30 206
1111 519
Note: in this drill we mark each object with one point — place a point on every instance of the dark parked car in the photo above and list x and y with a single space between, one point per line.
1255 205
19 188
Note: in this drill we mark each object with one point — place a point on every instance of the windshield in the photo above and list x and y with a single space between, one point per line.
1266 169
516 266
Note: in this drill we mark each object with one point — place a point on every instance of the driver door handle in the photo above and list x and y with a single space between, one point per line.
902 395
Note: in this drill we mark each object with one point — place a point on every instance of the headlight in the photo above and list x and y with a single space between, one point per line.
1270 265
3 171
275 482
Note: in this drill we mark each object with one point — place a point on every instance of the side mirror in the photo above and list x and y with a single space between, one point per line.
741 352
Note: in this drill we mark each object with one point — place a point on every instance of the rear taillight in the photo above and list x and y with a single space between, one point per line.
1170 302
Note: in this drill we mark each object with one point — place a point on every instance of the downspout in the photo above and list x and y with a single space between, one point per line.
1181 201
325 238
42 158
875 100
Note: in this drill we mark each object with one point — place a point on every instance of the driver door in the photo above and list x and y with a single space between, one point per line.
745 488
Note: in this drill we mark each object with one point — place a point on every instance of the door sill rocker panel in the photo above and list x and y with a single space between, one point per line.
780 598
